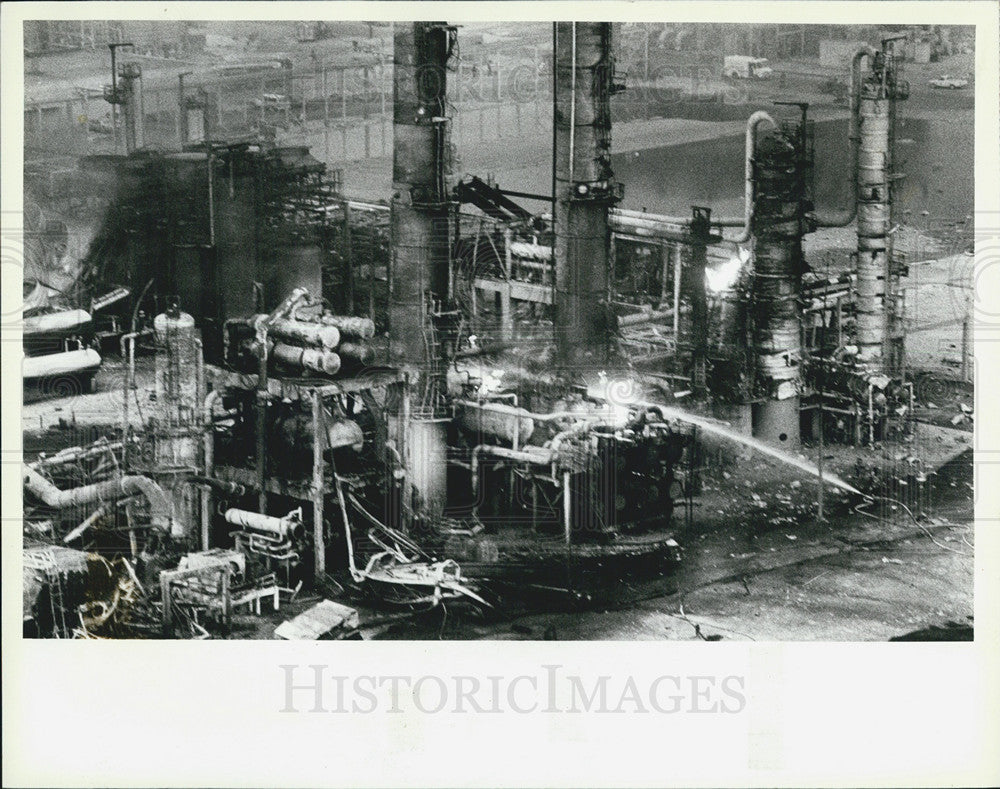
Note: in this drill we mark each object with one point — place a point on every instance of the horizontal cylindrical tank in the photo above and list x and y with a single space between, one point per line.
316 334
82 361
315 359
344 433
350 325
356 353
499 420
285 528
296 432
56 321
524 250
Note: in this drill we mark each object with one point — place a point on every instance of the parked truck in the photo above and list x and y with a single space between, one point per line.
746 67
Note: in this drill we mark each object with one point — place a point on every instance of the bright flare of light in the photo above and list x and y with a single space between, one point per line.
490 382
724 277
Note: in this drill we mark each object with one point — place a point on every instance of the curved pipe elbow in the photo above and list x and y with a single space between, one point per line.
161 513
854 137
750 147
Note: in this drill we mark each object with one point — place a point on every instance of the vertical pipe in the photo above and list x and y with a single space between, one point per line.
211 199
319 434
349 258
677 290
567 510
261 400
664 272
555 112
114 95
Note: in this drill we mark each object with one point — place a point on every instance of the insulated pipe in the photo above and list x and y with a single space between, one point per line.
640 318
291 301
854 136
76 454
117 488
580 427
208 448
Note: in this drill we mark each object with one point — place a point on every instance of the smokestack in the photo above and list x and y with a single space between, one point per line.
781 217
584 188
419 278
879 333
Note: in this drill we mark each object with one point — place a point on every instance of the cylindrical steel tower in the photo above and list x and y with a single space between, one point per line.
419 276
781 217
878 329
585 189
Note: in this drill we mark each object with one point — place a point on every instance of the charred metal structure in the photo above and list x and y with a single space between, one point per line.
359 395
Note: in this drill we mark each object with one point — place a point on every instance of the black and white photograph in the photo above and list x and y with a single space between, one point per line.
477 330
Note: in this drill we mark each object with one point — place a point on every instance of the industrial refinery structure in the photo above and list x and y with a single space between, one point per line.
483 403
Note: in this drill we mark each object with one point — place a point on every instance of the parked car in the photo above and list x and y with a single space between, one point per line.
946 82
